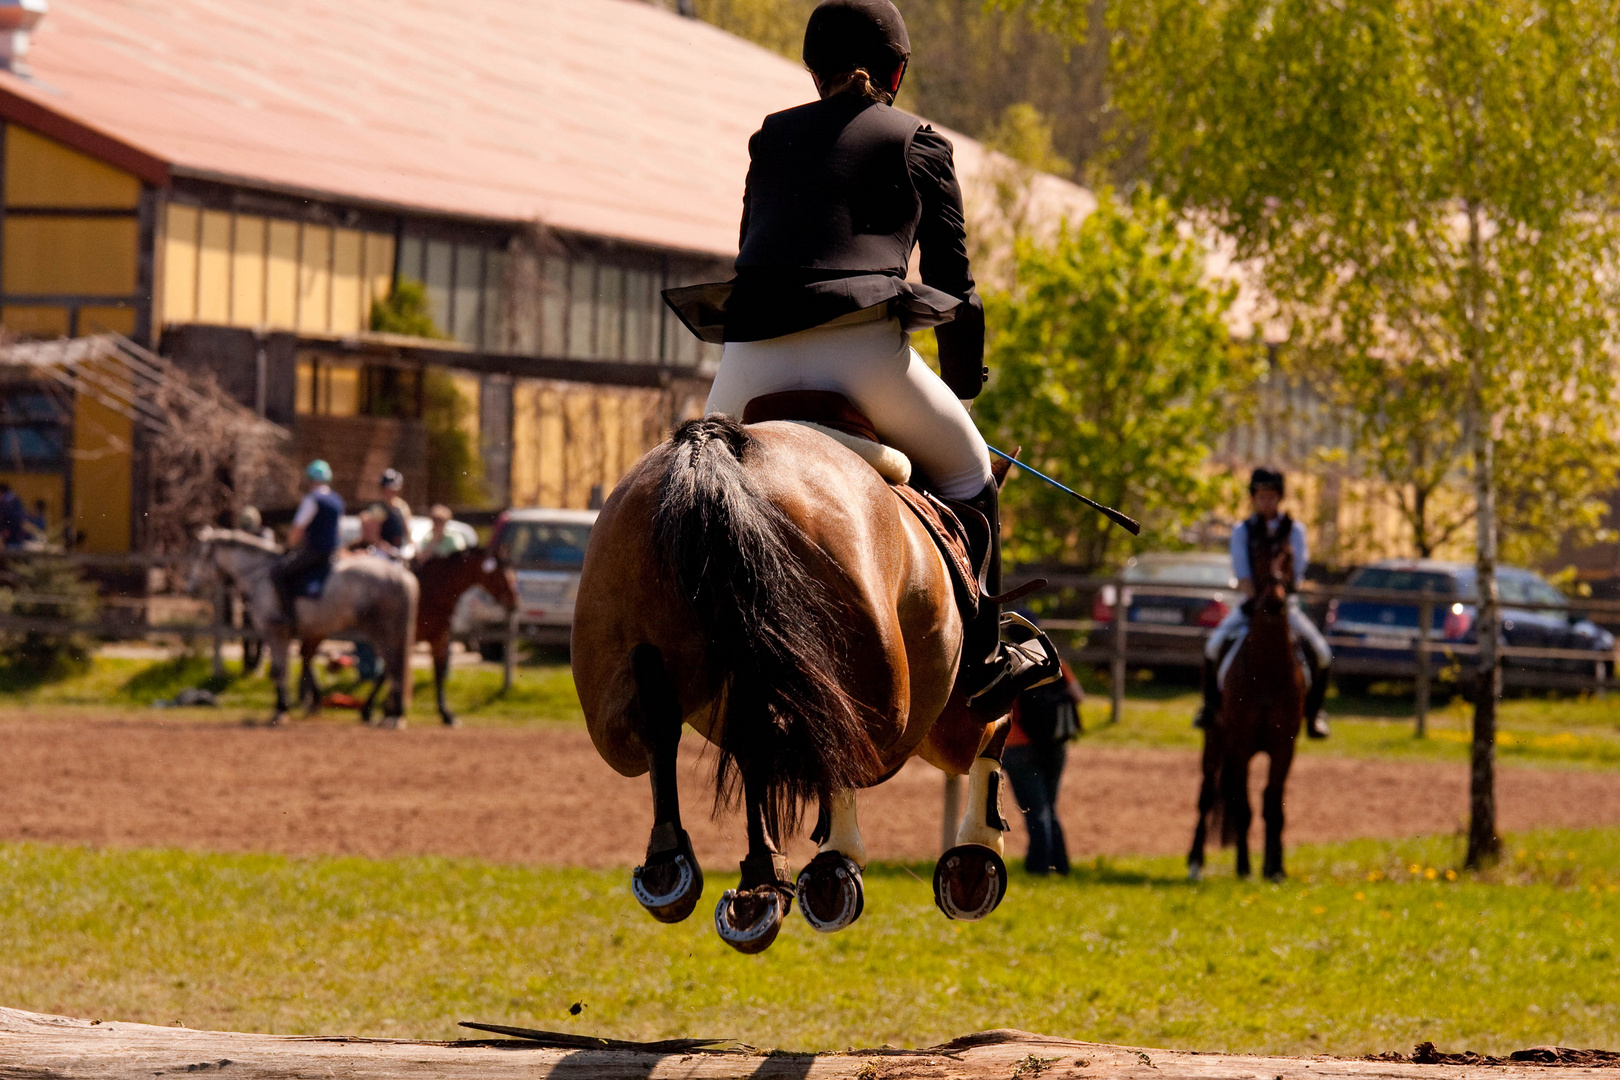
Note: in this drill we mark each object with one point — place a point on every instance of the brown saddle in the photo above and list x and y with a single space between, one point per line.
945 524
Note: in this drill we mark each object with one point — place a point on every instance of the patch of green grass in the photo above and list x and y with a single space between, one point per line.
1532 730
121 686
1372 946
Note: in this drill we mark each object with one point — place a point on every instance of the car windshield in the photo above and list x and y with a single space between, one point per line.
1213 574
1385 577
1524 589
546 545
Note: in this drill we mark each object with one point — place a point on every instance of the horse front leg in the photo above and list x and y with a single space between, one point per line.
749 917
1237 814
970 879
1272 810
309 687
1209 794
830 890
441 673
670 882
280 647
396 672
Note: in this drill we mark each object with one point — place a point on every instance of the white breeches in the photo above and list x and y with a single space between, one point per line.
1303 629
873 364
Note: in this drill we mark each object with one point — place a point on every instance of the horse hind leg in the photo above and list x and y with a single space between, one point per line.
970 879
1208 800
670 882
830 891
1237 814
1276 780
749 917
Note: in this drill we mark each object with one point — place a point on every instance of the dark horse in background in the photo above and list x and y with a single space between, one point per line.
1262 708
442 580
765 585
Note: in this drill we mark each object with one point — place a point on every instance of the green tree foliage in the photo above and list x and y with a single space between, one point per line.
1429 187
455 470
1113 369
46 588
405 311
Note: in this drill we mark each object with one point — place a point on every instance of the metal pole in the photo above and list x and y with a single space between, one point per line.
1118 674
953 813
1425 626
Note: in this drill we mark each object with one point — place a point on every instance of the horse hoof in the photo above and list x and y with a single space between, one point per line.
670 885
393 723
749 921
830 891
1276 877
278 719
449 721
1195 872
969 882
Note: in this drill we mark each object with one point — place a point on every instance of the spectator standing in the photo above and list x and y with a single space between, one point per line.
441 541
1044 719
13 518
396 526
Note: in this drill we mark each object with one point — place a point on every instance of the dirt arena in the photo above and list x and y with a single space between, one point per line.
543 795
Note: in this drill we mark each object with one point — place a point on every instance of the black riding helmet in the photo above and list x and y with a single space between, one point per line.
847 34
1266 478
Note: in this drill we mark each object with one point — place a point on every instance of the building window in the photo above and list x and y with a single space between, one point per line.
462 282
608 305
33 431
333 387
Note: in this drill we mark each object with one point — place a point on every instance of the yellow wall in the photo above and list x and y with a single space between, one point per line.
569 438
246 270
102 439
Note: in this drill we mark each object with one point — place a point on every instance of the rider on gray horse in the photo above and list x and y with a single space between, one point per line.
311 541
839 192
1266 491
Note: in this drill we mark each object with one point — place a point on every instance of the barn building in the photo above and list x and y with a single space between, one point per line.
234 183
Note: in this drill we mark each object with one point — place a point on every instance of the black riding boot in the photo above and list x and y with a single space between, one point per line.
995 671
1316 723
1211 708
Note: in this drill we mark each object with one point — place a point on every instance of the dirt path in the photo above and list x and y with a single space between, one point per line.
543 795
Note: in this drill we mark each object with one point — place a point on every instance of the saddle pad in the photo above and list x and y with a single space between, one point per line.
1237 643
836 417
890 463
946 530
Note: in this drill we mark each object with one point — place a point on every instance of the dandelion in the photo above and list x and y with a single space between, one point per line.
1451 875
1431 873
1414 869
1318 910
1375 875
1361 896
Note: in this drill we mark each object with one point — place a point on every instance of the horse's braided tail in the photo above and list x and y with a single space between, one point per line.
770 630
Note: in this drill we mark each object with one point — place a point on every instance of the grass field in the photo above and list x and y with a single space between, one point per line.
1559 731
1373 946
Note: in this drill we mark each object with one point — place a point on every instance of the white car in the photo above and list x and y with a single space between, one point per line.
349 530
546 549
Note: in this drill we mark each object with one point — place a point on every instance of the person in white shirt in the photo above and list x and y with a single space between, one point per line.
1266 492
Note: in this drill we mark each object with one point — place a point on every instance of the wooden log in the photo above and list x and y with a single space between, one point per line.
38 1047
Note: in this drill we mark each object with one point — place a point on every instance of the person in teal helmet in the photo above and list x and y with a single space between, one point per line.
311 541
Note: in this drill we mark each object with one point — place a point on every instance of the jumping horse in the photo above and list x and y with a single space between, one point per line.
442 581
765 585
365 597
1262 708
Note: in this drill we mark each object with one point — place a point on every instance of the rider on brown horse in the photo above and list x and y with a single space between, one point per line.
839 191
1267 524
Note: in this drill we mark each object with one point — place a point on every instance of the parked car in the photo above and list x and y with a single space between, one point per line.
1383 631
546 549
1204 593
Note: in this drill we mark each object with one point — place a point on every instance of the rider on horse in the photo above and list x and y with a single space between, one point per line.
839 191
1248 542
312 539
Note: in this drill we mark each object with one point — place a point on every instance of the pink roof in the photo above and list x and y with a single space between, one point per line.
611 117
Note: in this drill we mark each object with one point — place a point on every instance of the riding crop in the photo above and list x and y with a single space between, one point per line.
1129 524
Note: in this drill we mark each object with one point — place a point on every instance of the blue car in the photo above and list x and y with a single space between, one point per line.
1373 638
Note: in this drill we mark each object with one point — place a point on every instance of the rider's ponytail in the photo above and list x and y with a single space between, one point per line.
858 82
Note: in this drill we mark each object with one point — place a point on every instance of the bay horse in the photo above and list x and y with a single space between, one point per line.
442 580
1262 708
365 597
764 585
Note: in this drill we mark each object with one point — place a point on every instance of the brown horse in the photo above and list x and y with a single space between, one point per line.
443 579
766 586
1262 706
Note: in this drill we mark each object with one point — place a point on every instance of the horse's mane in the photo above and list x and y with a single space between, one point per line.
238 538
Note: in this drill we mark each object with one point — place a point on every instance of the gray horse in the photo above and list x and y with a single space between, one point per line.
366 598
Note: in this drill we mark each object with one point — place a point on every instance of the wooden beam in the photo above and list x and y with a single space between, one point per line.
36 1045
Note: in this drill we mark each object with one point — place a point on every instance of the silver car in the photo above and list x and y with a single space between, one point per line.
546 549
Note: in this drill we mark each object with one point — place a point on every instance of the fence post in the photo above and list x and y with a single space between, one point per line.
222 605
1425 623
953 813
509 654
1121 611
